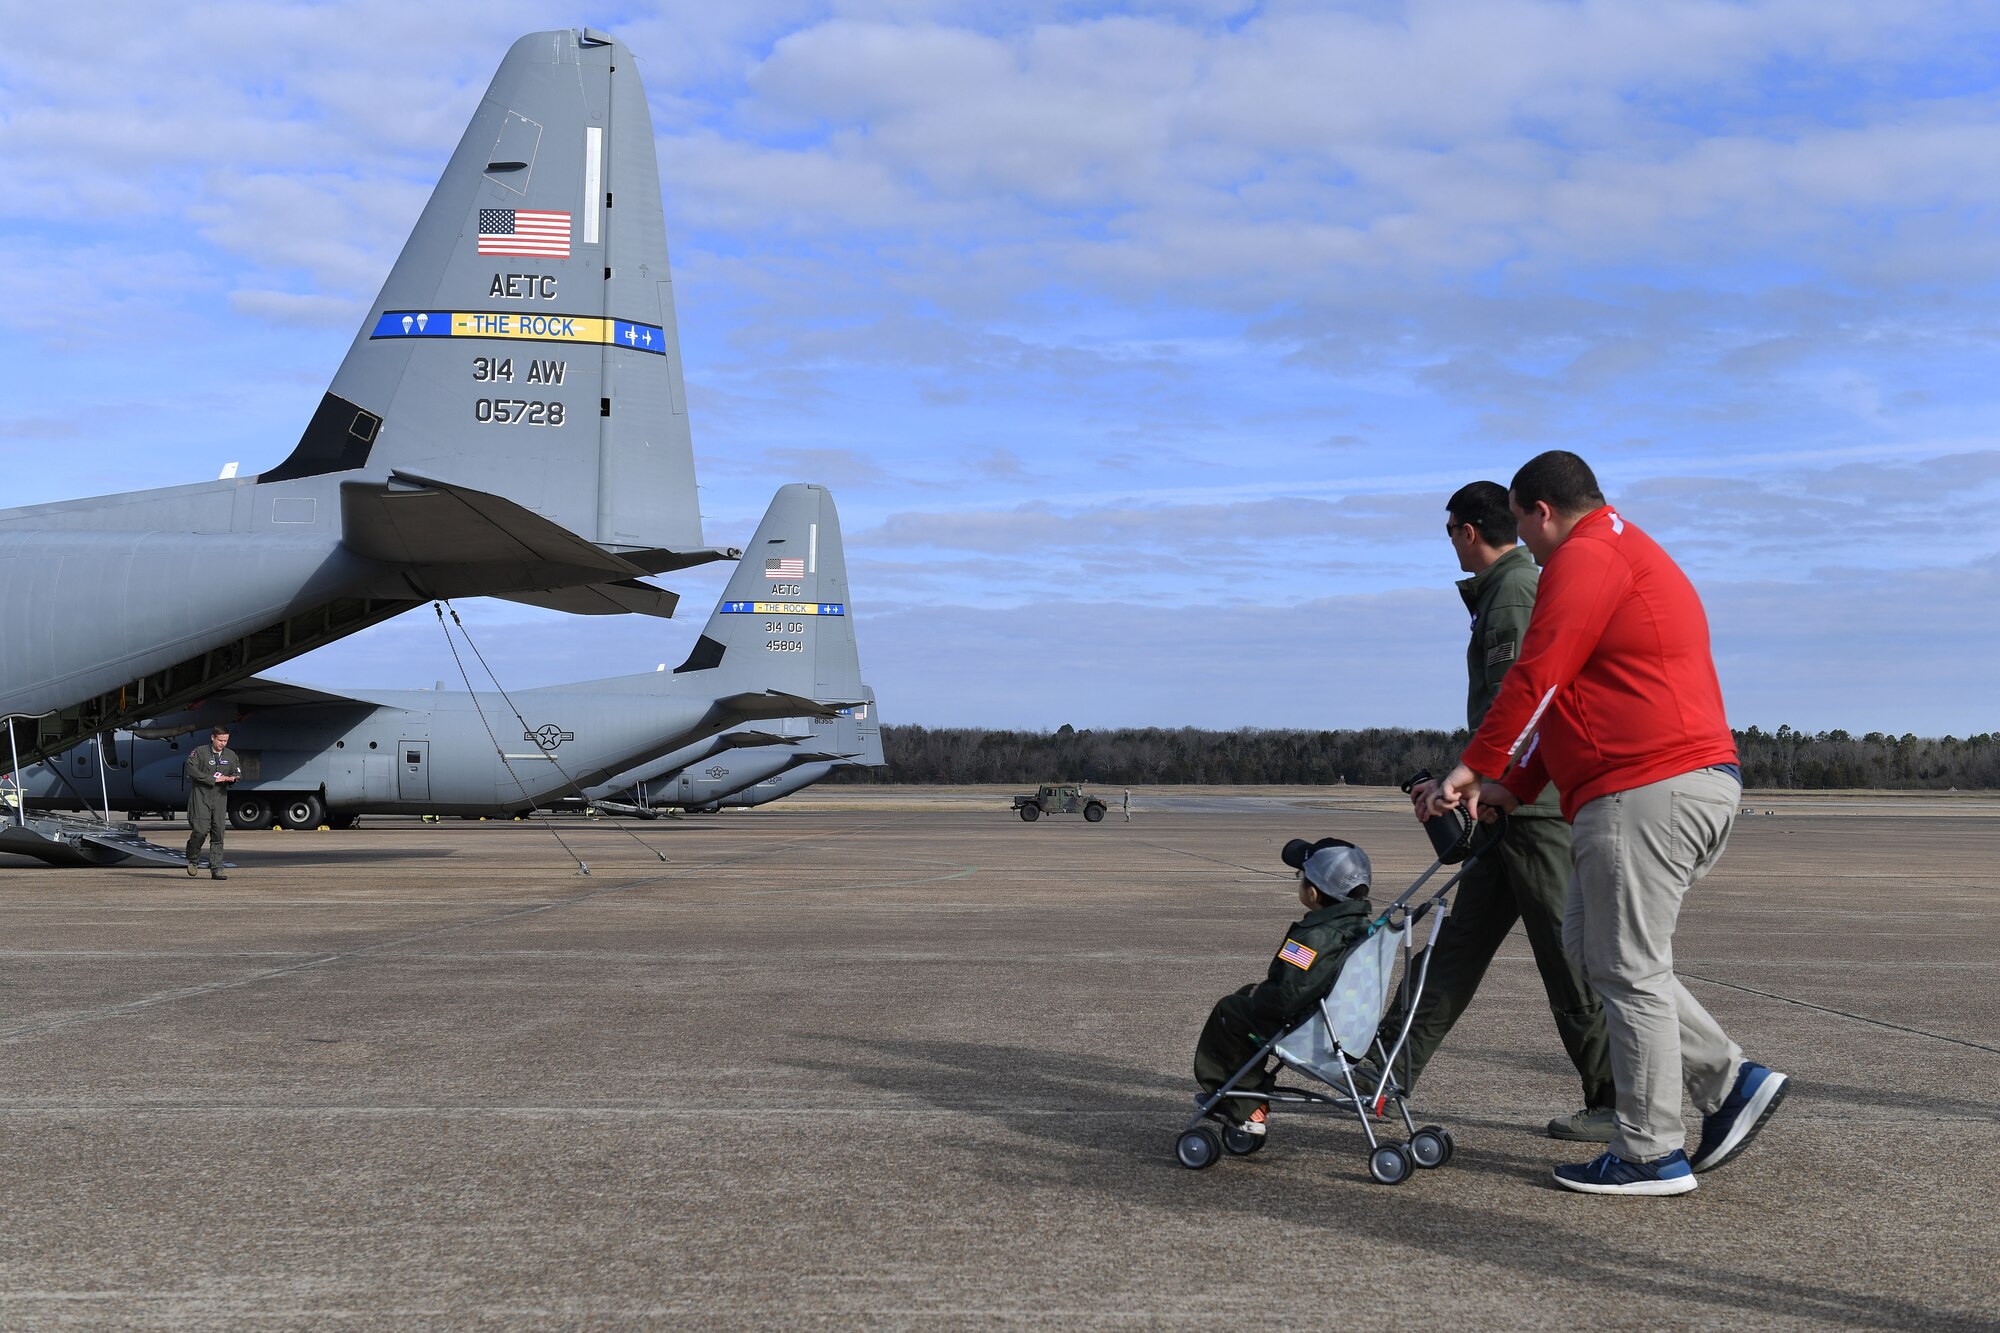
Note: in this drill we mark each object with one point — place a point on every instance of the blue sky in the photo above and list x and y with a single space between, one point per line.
1140 344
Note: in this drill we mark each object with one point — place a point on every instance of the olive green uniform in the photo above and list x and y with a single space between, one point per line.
1525 879
208 802
1302 973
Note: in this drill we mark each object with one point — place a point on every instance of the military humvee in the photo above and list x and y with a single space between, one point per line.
1059 798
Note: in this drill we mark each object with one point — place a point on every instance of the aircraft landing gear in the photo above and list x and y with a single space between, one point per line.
302 811
249 810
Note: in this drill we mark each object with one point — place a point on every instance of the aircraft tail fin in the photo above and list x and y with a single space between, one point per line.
869 725
784 629
524 344
850 736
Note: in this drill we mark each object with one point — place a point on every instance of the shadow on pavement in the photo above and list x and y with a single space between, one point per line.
1130 1159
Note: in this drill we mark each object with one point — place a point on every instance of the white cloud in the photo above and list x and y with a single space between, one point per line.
332 312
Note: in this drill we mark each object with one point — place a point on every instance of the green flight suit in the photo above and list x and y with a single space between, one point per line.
1525 879
1302 973
208 802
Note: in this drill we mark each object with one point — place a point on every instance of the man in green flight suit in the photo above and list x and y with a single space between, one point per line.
1527 877
210 770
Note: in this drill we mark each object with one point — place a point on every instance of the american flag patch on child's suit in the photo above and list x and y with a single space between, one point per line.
1297 954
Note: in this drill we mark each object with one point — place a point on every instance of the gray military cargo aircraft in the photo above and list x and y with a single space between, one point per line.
779 645
694 781
510 420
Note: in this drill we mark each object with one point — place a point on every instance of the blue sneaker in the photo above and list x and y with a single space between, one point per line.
1743 1112
1612 1174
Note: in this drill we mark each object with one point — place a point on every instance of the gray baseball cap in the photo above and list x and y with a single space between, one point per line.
1338 871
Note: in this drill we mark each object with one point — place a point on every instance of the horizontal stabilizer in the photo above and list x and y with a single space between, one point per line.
658 561
269 692
778 703
416 521
624 597
227 703
751 738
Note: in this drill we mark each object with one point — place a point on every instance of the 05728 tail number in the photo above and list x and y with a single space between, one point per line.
517 412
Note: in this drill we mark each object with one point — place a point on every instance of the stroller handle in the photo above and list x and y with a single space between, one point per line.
1455 835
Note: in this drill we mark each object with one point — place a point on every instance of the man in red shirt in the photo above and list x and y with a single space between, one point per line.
1615 700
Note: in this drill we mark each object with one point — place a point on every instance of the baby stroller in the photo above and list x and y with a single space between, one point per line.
1322 1043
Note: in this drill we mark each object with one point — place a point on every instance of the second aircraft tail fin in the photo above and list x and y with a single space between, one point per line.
783 633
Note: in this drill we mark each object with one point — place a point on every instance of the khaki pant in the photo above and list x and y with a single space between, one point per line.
1637 853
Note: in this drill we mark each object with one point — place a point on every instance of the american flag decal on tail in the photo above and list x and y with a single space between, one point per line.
521 231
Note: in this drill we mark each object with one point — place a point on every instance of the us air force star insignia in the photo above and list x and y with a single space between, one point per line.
548 735
718 772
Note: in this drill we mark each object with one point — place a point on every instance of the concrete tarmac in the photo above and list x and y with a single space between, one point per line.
864 1062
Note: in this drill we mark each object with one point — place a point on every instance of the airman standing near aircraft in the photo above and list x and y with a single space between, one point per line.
210 771
1526 878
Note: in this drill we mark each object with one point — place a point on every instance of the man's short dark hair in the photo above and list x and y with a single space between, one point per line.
218 731
1483 504
1558 479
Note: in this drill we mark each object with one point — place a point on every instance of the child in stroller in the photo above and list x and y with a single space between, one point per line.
1333 888
1321 1005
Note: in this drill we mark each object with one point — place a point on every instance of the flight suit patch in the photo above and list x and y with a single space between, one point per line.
1501 652
1298 955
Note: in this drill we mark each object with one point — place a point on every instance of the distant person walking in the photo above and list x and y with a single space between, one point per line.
211 770
1126 805
1615 699
1526 878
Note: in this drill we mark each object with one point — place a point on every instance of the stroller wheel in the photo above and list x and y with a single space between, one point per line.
1431 1146
1199 1148
1390 1164
1241 1142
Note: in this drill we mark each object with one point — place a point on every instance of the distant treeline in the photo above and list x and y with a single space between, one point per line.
1154 756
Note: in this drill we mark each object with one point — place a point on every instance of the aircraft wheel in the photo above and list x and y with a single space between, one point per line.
1030 813
1431 1147
1390 1164
249 811
1198 1149
301 812
1094 813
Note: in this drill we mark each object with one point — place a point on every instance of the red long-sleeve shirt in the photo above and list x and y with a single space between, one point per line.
1615 675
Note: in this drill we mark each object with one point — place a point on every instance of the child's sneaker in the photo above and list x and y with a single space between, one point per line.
1255 1126
1612 1174
1743 1112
